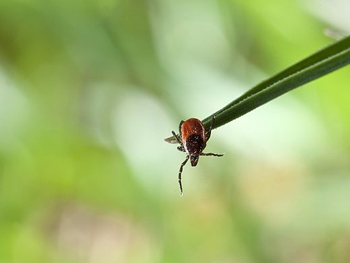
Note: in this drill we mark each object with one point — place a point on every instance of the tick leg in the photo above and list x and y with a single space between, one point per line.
208 133
180 172
177 137
212 154
181 148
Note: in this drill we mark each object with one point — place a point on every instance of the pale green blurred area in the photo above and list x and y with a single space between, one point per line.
89 90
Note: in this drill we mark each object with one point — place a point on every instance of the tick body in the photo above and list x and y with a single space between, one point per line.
193 139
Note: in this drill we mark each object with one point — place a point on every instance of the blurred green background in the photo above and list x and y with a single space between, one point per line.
90 88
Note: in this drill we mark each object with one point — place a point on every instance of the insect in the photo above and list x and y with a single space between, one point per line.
192 139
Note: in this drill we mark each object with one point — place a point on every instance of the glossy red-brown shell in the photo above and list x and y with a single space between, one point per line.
192 126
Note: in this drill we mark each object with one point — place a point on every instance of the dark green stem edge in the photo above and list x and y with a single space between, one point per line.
327 60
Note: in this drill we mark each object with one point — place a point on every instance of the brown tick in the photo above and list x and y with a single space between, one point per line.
192 139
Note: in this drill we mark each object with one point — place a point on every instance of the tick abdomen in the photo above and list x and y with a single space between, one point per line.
194 144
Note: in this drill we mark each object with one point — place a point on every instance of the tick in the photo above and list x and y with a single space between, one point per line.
193 139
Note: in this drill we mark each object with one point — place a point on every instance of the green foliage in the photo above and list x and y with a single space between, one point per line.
88 89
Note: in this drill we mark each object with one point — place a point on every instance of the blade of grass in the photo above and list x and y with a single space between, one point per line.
329 59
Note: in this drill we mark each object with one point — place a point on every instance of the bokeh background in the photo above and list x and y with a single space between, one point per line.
89 89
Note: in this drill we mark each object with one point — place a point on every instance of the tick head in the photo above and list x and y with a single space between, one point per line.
194 159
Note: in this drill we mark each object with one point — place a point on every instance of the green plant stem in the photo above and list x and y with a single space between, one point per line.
327 60
315 66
